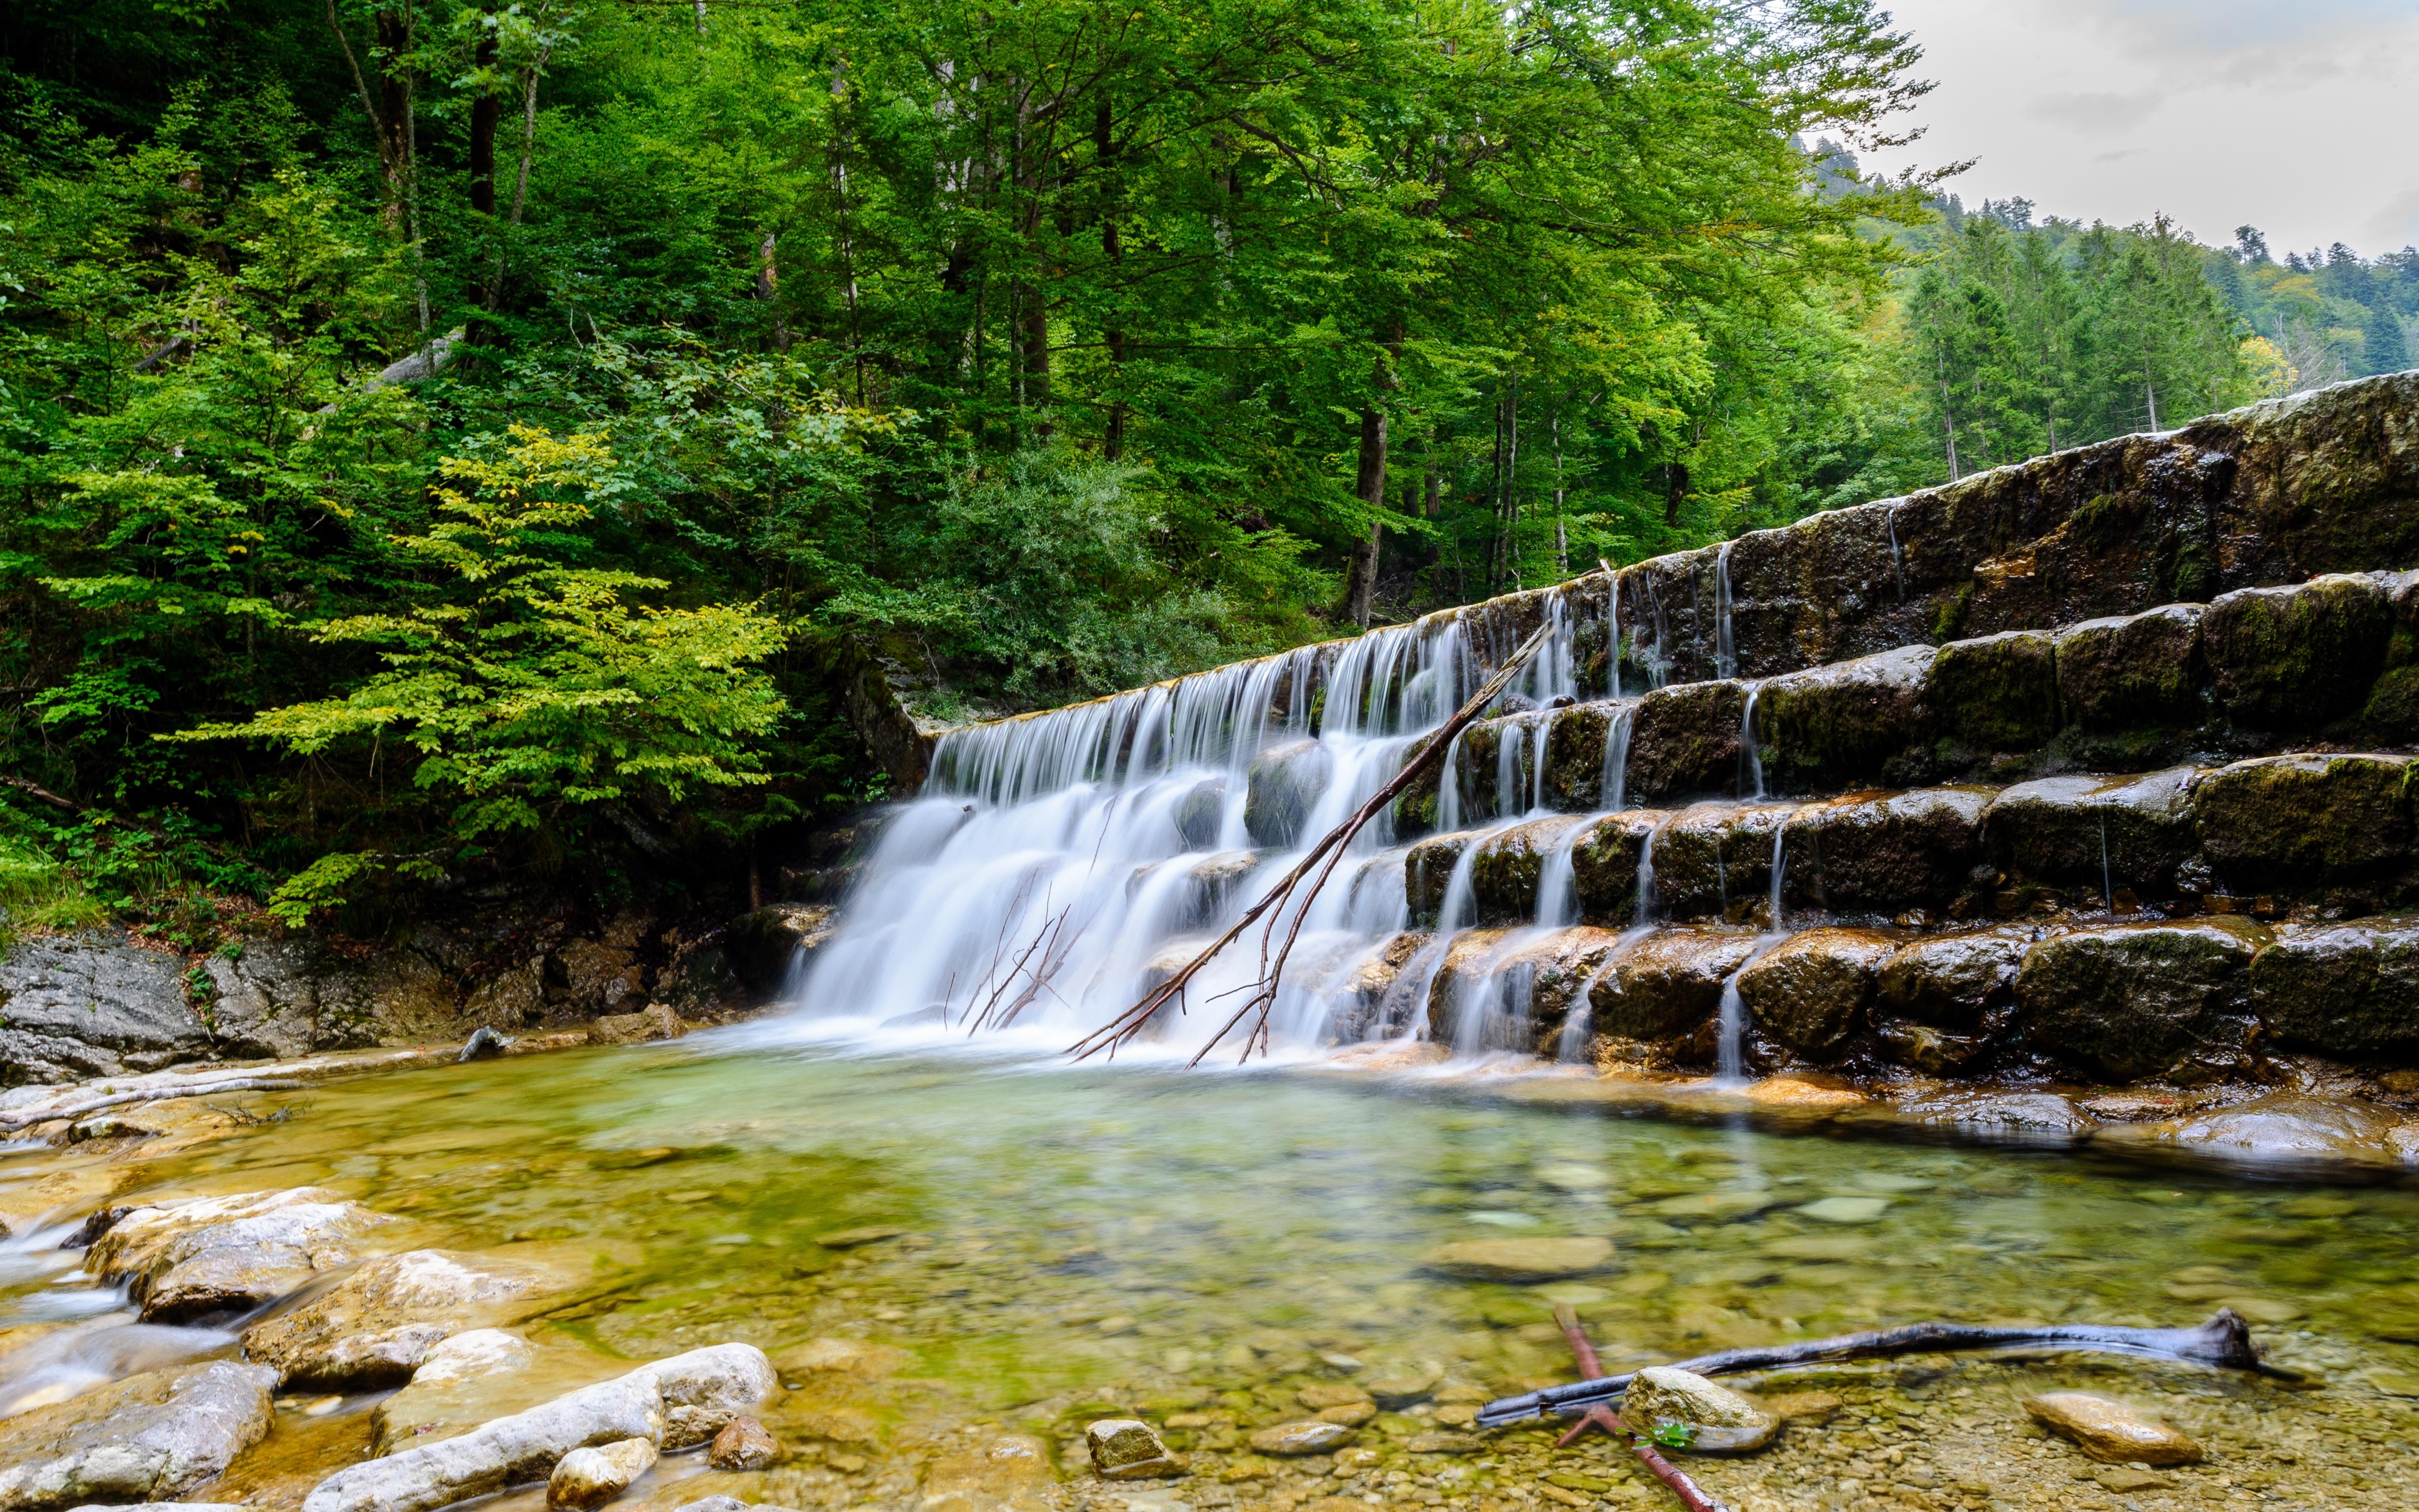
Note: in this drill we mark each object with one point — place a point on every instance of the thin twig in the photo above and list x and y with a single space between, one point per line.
1598 1416
1321 857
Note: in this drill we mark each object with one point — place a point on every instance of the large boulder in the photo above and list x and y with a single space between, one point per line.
1997 692
2096 832
148 1437
674 1404
1810 991
2142 999
1951 982
2304 820
374 1328
1712 858
1885 852
1685 741
1428 870
212 1256
93 1004
2349 990
2297 659
1839 726
1669 984
1471 1006
1604 862
2134 672
1549 971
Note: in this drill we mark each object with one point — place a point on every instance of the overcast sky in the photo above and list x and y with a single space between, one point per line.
2299 116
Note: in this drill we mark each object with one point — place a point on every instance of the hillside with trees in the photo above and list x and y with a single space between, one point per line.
450 446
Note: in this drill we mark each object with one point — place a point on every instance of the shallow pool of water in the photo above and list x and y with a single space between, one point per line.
1060 1242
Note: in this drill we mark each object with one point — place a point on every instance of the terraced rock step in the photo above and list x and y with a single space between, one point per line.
2106 999
2334 832
2335 660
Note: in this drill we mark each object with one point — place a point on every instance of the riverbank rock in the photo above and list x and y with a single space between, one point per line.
93 1004
1125 1448
151 1436
2130 1000
1507 871
594 1477
762 946
2279 1130
2111 1431
1604 862
1810 991
655 1022
1950 982
2349 990
1685 740
191 1259
672 1404
374 1328
2298 657
1725 1421
1523 1259
1997 692
1714 857
1840 725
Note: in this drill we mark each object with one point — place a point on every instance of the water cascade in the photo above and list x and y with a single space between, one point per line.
1725 648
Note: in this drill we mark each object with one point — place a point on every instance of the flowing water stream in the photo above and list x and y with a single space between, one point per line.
1053 1243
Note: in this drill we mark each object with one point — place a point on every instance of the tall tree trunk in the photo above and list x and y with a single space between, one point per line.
1369 483
486 114
1104 153
495 290
392 29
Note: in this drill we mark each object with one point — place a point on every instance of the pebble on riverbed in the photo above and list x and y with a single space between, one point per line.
1724 1420
2110 1431
1124 1449
743 1443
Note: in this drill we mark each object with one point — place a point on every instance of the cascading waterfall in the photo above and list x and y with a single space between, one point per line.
1748 745
1725 649
1615 785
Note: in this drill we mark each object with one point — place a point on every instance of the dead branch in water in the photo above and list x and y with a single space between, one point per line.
1322 858
1598 1416
150 1094
2224 1341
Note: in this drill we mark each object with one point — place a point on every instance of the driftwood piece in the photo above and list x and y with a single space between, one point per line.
2224 1342
72 1111
1321 858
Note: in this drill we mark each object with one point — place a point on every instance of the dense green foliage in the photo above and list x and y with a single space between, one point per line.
444 441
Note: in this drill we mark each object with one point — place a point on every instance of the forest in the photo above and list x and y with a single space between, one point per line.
450 444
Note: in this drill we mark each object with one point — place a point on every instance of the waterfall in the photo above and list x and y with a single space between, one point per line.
1725 649
1780 869
1897 564
1510 739
1613 637
1644 911
1615 782
1748 745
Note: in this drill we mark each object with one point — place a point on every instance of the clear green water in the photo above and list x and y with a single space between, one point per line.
1077 1240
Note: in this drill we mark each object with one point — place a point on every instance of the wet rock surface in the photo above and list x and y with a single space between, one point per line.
230 1255
1668 983
1124 1449
2133 672
2130 1000
151 1436
1885 852
93 1004
376 1326
2283 821
1841 725
1724 1420
1811 990
2111 1430
2104 832
2349 989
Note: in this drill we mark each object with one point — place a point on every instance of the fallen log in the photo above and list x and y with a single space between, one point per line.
2224 1342
1329 850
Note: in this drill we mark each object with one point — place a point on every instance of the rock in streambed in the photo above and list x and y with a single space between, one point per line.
183 1260
672 1404
375 1327
151 1436
2110 1431
1716 1418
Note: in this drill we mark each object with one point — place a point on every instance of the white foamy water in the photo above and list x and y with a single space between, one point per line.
1059 865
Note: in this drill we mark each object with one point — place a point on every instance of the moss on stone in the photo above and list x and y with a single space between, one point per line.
1997 693
2349 989
2133 672
1840 725
2135 1000
2297 658
2298 821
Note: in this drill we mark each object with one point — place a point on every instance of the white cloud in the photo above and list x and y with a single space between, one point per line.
2290 115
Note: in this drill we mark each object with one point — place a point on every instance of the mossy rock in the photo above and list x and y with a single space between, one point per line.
1713 856
2304 820
1604 862
1810 992
1842 724
1285 784
1883 853
1506 872
2135 1000
1574 774
1997 693
2349 990
1669 984
1685 741
2297 659
2135 670
1951 980
2096 832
